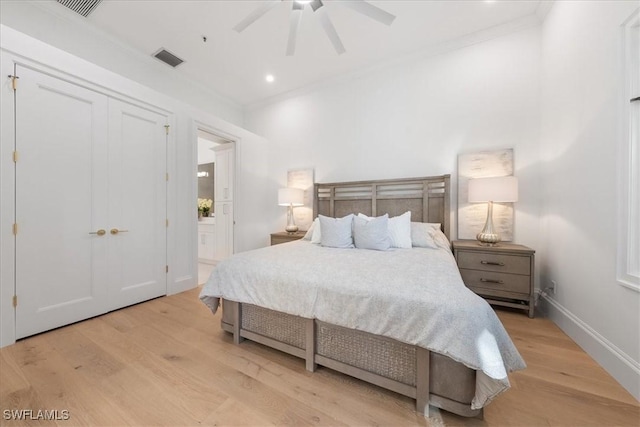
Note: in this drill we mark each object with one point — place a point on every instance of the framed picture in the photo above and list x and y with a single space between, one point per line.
472 216
303 179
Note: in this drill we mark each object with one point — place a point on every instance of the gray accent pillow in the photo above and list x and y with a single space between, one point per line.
422 235
336 232
372 233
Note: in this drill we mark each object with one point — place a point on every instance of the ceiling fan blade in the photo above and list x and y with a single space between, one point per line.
316 4
255 15
367 9
294 24
330 30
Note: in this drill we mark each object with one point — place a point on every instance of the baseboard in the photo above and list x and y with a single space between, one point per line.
616 362
182 284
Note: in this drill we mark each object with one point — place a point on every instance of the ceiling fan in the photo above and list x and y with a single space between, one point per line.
298 6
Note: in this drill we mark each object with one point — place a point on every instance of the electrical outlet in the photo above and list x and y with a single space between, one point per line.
554 287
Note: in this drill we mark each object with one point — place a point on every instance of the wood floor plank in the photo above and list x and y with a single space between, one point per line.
551 355
234 413
166 362
60 387
236 383
176 384
296 385
293 382
13 378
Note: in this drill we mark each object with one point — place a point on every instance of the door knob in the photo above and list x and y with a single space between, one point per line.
115 231
100 232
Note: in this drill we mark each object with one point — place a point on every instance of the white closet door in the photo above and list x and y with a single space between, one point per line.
137 204
61 188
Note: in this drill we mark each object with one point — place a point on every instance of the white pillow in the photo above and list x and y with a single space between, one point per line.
309 234
422 235
371 233
336 232
440 239
316 232
399 230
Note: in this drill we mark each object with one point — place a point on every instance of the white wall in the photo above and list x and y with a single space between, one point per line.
414 119
205 153
63 28
581 82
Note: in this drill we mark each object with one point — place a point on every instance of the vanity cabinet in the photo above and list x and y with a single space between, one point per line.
206 240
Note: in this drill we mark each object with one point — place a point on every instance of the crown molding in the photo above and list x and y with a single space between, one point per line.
471 39
543 9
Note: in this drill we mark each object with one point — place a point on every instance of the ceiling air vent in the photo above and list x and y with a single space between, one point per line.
168 57
83 7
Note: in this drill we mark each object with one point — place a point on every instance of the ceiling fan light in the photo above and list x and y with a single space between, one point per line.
303 2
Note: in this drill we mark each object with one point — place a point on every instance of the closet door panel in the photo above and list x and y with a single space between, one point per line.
137 204
61 189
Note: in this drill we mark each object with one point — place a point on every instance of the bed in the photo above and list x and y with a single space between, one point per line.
399 319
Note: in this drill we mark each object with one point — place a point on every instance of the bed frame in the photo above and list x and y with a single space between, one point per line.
428 377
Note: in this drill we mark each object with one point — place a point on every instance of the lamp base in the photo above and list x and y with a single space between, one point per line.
291 229
291 222
488 237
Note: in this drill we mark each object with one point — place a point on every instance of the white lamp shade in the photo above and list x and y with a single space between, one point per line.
290 196
496 189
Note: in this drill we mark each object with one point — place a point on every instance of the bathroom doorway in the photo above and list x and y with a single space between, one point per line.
215 177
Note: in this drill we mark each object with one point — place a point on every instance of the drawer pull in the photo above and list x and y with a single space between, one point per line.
500 282
501 264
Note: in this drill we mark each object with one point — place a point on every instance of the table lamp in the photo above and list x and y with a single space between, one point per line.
496 189
290 197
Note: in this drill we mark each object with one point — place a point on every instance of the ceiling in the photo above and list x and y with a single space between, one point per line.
235 64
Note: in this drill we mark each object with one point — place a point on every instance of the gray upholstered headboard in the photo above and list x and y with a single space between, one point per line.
427 198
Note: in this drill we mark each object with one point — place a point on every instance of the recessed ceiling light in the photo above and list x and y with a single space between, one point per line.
269 78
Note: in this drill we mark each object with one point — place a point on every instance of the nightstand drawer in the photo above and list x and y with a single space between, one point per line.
495 262
283 237
498 284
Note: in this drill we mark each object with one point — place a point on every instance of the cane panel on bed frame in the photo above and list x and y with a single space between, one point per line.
430 378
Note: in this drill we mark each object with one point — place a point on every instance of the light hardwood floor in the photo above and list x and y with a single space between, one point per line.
204 271
166 362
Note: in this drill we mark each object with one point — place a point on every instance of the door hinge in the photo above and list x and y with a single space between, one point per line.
15 301
14 82
166 269
15 229
167 176
167 222
166 128
15 157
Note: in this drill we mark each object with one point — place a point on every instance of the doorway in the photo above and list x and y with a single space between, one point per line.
215 176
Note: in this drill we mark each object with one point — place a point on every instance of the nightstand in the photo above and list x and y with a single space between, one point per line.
284 237
501 274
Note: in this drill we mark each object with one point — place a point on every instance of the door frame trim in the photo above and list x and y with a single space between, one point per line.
206 126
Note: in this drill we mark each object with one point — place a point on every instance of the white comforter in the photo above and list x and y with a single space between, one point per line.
412 295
